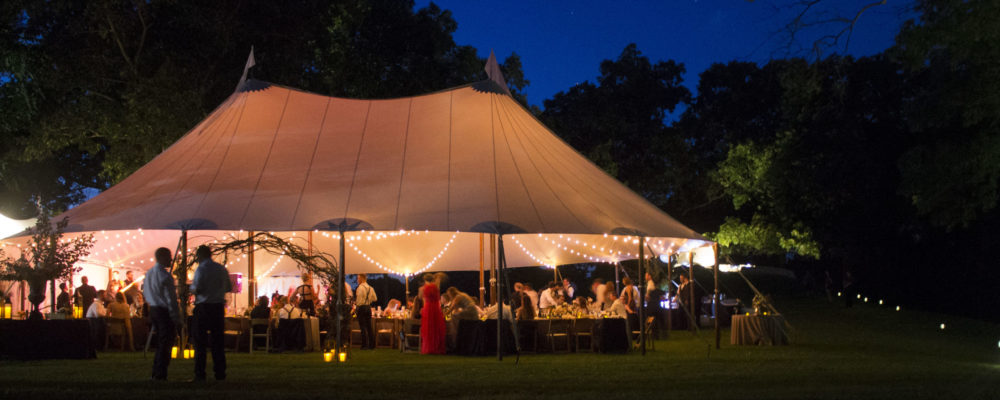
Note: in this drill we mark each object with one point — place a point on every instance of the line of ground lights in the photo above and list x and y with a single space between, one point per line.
376 236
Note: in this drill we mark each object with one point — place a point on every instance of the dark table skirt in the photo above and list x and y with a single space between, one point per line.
479 338
40 340
610 335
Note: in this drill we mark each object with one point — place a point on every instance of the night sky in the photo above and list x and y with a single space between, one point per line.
561 43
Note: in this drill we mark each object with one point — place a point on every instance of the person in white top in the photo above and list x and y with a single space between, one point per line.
97 309
288 309
532 294
599 288
568 289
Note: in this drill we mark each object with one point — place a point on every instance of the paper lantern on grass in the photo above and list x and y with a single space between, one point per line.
342 357
78 312
942 327
327 357
173 352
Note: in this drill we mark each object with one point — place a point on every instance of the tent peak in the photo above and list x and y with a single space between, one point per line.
246 70
493 72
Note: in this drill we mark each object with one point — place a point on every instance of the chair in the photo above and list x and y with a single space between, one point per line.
118 327
409 336
355 329
255 333
650 340
234 327
583 329
384 327
527 332
559 329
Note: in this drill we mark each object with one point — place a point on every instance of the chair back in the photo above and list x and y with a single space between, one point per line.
260 322
411 326
559 326
583 326
116 326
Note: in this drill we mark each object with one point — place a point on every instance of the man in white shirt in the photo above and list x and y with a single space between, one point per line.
568 289
532 294
161 295
97 309
599 288
288 309
364 298
547 300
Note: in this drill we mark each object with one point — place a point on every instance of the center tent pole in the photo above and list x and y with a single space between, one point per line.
340 294
252 278
642 293
499 297
493 269
482 283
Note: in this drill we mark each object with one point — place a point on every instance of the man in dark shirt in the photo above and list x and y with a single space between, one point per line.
85 294
62 301
130 287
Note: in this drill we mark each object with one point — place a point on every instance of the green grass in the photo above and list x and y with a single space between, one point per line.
865 352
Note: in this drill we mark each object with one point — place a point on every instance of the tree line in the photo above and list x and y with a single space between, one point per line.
886 166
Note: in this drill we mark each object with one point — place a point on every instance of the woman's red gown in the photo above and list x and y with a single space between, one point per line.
432 329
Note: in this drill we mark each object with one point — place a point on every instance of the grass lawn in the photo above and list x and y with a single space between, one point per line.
864 352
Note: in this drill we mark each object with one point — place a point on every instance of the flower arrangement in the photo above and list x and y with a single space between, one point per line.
761 303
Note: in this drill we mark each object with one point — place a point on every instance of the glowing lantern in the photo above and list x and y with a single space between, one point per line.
173 352
342 357
327 357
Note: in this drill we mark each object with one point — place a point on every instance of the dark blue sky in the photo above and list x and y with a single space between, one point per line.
561 43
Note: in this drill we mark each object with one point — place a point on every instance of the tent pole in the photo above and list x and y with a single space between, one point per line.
670 302
498 298
617 266
182 287
252 279
340 294
482 278
642 293
715 301
694 312
493 269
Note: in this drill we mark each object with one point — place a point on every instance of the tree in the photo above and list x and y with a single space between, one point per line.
952 52
619 122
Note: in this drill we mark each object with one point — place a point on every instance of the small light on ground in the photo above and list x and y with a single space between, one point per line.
880 302
897 308
859 296
942 327
866 299
838 294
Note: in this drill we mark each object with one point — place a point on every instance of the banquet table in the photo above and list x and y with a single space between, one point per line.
298 334
610 335
479 338
758 329
40 340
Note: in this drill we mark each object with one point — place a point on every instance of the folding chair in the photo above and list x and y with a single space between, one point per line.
255 333
409 336
582 329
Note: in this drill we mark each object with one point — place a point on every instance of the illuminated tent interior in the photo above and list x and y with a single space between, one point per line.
418 183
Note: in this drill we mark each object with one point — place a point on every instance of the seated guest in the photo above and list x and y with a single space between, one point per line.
616 308
462 306
598 288
97 309
261 310
289 309
526 311
120 310
289 336
532 294
515 300
62 301
417 304
581 305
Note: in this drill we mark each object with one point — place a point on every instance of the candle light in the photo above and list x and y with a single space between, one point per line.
942 327
327 357
173 352
7 311
78 312
342 357
188 353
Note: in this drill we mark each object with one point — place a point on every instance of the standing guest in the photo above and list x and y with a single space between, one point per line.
515 301
418 304
598 288
119 309
307 295
62 301
569 289
686 297
525 311
650 285
131 288
114 286
364 297
210 285
630 299
85 294
432 329
532 294
97 309
159 292
547 299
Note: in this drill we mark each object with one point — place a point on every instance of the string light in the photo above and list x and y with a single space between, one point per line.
530 255
370 236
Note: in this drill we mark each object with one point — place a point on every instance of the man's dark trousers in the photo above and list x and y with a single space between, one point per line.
209 325
365 323
165 333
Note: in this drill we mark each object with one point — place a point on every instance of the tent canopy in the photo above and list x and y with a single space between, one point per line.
414 181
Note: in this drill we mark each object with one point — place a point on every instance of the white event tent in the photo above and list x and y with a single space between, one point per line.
418 183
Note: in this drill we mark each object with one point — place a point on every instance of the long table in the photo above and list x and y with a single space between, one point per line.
758 329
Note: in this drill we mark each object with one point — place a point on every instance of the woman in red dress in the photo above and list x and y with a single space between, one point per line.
432 329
